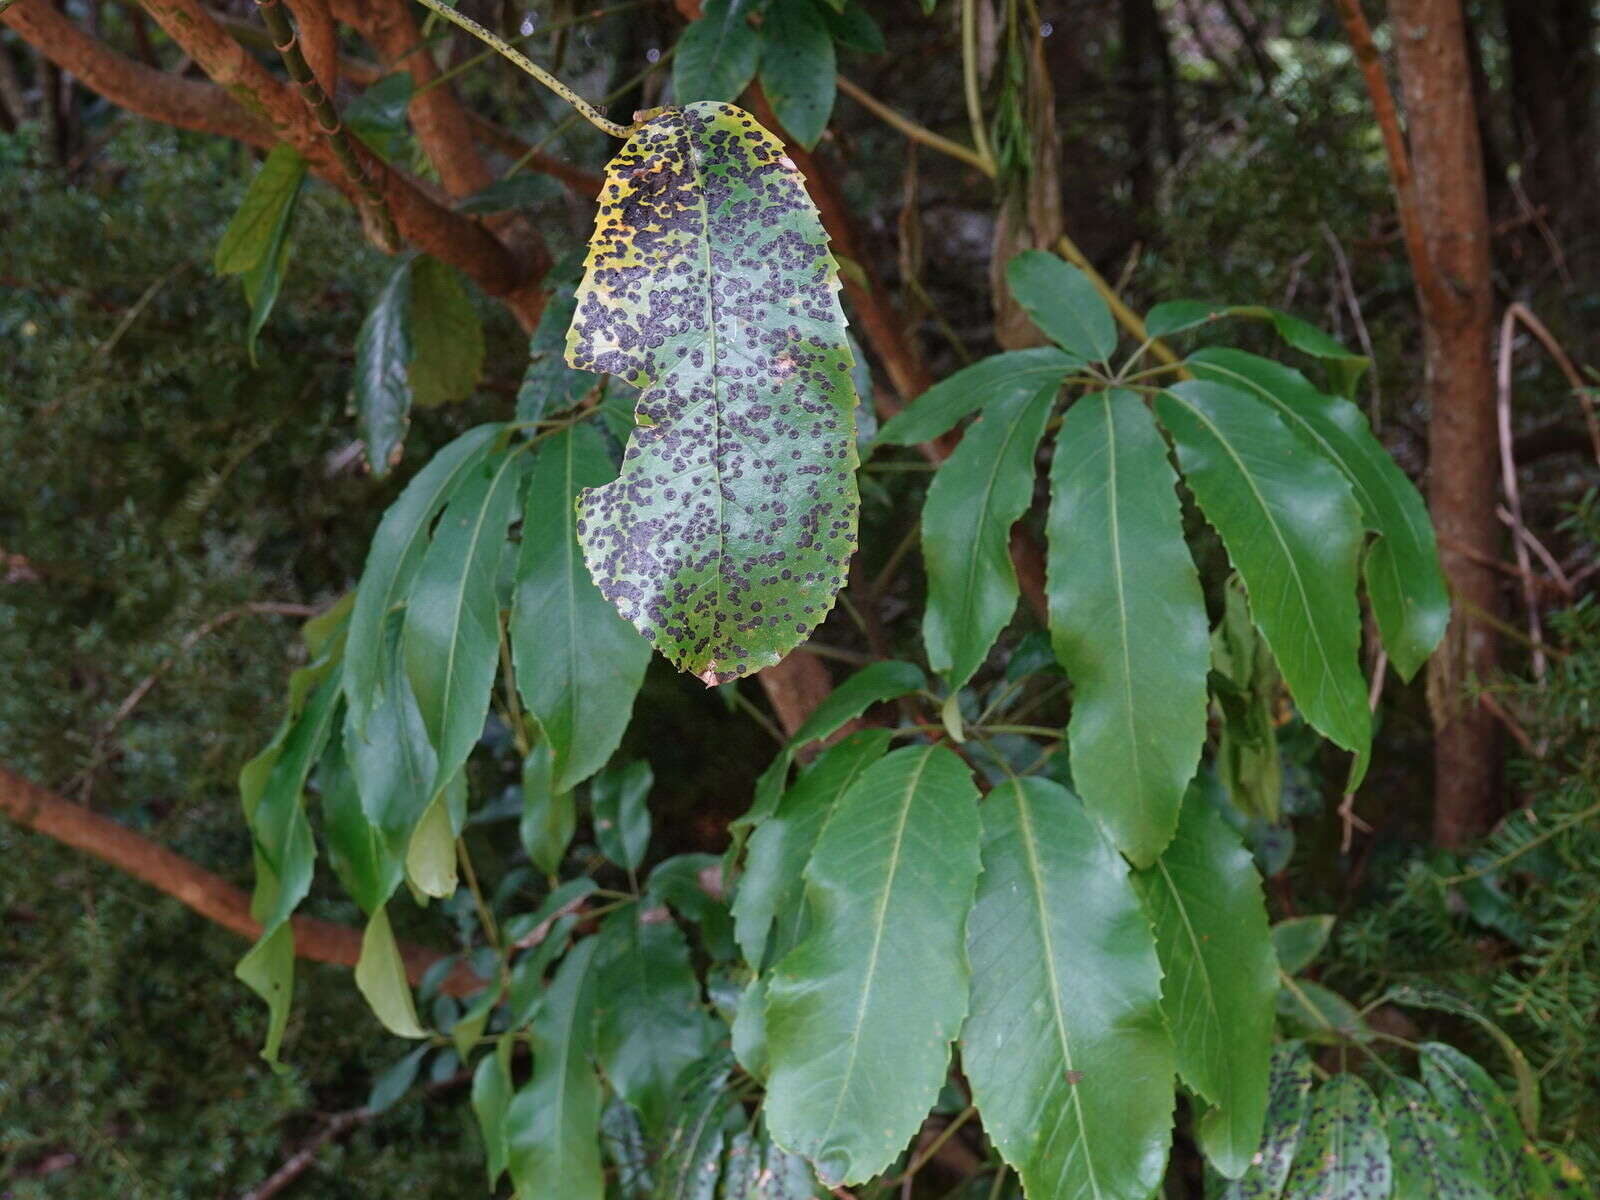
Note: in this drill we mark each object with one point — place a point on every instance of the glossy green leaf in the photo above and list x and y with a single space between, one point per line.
692 884
1063 303
1343 1153
1293 531
749 1031
451 639
553 1123
854 28
861 1014
446 336
1422 996
525 992
717 55
798 68
1220 977
1287 1089
1298 940
431 853
255 229
381 979
1176 316
1405 583
357 848
622 1138
1430 1160
773 886
1247 687
379 116
383 364
578 664
939 409
549 817
978 494
1068 1056
691 1163
396 1081
1323 1015
650 1022
709 285
263 281
392 562
549 386
1127 620
491 1098
621 816
1491 1140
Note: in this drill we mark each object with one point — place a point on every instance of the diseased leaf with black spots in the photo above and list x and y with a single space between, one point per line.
709 286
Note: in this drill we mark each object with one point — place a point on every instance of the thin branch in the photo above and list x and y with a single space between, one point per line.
969 76
1347 285
915 132
1508 481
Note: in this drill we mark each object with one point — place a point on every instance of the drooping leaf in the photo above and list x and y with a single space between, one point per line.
798 68
1319 1012
383 369
1421 996
621 817
1343 1152
854 28
1405 583
1069 1059
622 1138
1491 1140
861 1014
1430 1161
578 664
381 979
1063 303
1246 685
1220 977
251 235
709 285
491 1098
717 55
553 1123
263 281
1287 1090
1127 620
548 816
977 495
396 1081
691 1163
451 639
988 381
773 886
650 1024
1293 531
358 851
431 852
1298 940
446 336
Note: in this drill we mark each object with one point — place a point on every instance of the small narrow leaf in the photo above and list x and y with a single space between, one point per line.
691 1163
1287 1090
578 664
854 28
988 381
1063 303
621 816
1430 1161
1293 531
1127 620
491 1097
1343 1153
357 848
798 69
861 1014
1322 1014
1204 899
977 495
383 364
446 336
249 239
548 816
553 1124
396 1081
709 285
1069 1059
1298 940
381 979
263 281
717 55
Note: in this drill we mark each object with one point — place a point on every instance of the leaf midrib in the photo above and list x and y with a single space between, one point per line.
1115 524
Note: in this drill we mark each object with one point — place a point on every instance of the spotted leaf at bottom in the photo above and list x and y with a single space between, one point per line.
709 286
1344 1153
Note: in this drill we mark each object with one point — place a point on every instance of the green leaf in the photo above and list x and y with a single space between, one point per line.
553 1124
975 498
1430 1161
854 28
396 1081
1323 1014
1490 1138
1063 304
1219 977
511 193
392 562
357 848
1439 1000
692 884
1127 620
1247 688
650 1023
549 386
1343 1153
621 817
256 228
623 1140
709 285
1287 1090
773 885
578 664
988 381
491 1097
1175 316
548 816
525 993
861 1014
749 1033
446 336
1308 339
431 853
1298 940
1069 1060
717 55
1405 583
383 363
381 979
451 640
1293 532
263 281
379 115
798 68
691 1163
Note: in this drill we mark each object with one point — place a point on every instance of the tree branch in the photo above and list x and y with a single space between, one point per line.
214 898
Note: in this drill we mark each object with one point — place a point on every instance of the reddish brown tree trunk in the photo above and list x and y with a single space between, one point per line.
1453 286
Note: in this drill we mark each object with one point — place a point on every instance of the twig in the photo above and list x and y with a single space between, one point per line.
1537 327
1557 575
1497 709
1508 480
915 132
1347 285
969 74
